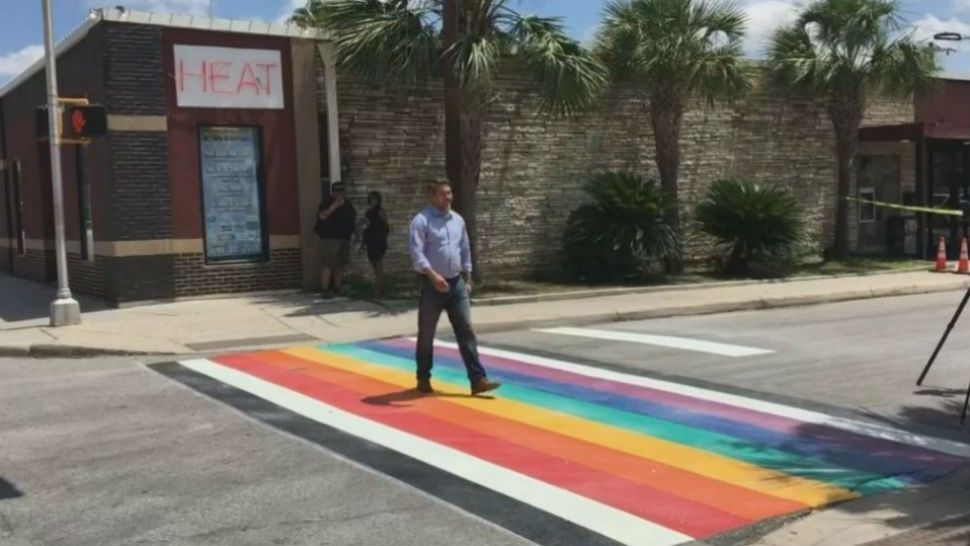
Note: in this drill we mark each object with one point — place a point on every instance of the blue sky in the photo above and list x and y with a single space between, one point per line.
20 20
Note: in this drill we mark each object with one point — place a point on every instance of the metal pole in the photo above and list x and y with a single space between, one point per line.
64 310
453 160
329 57
966 407
946 334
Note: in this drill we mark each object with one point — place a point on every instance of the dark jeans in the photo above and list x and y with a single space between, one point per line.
458 305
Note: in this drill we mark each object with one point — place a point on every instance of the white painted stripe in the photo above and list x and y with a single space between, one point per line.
672 342
600 518
807 416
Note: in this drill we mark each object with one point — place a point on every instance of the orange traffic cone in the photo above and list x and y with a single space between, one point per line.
941 257
964 264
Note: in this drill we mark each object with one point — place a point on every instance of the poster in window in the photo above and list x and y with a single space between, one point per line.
232 200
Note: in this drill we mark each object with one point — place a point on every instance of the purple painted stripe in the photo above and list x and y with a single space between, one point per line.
811 431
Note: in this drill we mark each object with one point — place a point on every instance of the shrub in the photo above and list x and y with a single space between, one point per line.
621 233
753 221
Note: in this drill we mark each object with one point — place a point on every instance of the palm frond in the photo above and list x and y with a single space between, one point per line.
676 48
380 39
850 47
905 68
570 78
476 59
794 62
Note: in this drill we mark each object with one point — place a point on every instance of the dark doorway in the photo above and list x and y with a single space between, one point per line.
879 180
948 188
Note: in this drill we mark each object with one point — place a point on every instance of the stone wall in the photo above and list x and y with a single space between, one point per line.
533 166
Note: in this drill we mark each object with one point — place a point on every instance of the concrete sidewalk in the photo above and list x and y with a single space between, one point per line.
936 514
211 325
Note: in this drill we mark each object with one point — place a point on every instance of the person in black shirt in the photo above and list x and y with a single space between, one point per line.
336 223
376 231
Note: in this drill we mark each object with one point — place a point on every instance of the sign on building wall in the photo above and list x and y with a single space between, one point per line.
231 194
225 77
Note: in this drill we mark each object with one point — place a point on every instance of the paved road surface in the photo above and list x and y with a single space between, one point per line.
863 356
112 452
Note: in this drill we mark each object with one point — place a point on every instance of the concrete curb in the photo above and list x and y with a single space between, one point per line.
709 309
600 292
54 350
14 351
51 350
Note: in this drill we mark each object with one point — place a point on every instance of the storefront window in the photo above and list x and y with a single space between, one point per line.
232 194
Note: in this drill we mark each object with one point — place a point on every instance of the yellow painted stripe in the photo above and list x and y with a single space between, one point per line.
739 473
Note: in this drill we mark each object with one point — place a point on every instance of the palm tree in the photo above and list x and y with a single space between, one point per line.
845 52
465 42
673 51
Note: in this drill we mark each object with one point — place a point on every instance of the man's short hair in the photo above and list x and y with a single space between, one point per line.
433 187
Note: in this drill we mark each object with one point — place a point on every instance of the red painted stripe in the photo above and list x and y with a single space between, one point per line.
663 508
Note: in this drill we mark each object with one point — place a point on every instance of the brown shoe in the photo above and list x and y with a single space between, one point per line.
484 385
424 386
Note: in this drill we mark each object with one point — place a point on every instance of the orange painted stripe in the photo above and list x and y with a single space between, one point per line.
744 503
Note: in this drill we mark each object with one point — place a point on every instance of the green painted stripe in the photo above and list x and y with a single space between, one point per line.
823 471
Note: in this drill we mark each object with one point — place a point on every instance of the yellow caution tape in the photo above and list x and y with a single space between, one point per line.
928 210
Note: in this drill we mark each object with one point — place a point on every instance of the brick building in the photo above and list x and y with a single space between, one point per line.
220 143
212 148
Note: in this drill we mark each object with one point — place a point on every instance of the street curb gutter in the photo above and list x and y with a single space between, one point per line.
14 351
709 309
53 350
623 291
49 350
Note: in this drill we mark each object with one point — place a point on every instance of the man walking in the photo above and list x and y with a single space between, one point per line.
440 252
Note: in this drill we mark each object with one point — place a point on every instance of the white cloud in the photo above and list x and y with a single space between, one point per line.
931 24
764 18
12 64
188 7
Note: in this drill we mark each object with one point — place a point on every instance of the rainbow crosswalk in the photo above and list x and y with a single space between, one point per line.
637 460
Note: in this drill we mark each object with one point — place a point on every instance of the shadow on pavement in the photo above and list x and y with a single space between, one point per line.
939 416
949 532
920 503
936 492
401 398
24 300
305 304
9 491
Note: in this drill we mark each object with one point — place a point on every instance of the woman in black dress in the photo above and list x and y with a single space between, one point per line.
375 239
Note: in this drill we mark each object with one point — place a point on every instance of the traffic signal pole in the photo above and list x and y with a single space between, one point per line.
65 309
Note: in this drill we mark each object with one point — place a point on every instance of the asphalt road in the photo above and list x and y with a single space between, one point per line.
109 452
858 357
